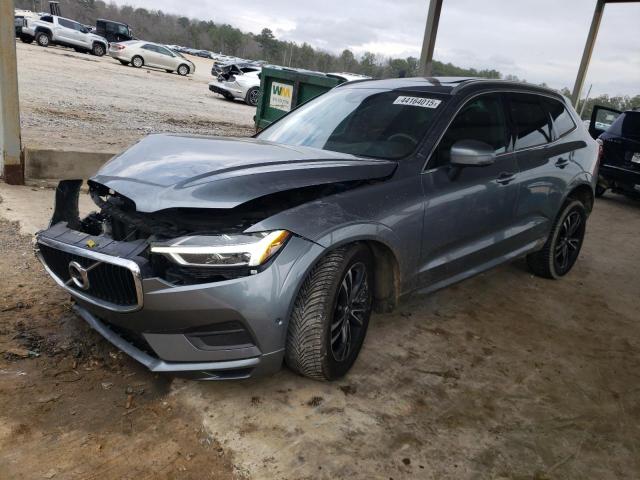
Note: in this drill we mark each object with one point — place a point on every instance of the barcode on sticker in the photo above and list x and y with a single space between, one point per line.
418 102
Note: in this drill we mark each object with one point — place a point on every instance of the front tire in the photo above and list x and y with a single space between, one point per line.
562 248
137 61
331 314
43 39
183 70
26 38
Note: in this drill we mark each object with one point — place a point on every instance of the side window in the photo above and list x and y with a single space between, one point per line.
47 18
561 118
63 22
481 119
148 46
530 119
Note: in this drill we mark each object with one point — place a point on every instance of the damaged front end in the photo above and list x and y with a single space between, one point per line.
181 246
175 265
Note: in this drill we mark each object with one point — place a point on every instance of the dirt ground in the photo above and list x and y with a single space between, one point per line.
504 376
81 102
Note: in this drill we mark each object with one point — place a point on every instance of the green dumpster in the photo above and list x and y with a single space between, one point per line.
283 89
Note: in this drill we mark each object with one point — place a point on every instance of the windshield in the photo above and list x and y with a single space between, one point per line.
359 121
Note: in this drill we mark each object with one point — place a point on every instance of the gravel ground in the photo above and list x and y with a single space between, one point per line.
81 102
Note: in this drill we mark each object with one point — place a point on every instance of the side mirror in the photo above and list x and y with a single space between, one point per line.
472 153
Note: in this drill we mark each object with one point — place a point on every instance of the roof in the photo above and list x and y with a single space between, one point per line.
451 85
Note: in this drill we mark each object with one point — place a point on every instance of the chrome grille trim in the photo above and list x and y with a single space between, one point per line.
100 257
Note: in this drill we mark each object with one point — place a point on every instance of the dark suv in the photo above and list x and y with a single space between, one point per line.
619 133
222 257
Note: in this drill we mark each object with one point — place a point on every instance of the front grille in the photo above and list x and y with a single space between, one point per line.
107 282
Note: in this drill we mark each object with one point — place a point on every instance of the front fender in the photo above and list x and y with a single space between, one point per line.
329 226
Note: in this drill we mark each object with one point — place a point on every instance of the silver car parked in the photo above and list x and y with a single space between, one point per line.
140 53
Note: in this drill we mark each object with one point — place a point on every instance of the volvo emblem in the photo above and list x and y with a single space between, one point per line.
79 275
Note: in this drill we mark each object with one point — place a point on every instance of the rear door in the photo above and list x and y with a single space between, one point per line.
545 145
601 119
469 211
151 56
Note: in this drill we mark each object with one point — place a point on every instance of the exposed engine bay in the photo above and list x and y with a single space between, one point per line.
117 219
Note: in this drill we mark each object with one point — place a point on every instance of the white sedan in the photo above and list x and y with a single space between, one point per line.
140 53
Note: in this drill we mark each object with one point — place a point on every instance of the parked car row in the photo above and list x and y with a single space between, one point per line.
54 30
107 36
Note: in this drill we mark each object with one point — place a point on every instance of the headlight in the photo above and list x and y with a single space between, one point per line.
242 250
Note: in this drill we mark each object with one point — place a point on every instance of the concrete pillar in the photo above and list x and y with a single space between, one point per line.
10 144
588 50
430 33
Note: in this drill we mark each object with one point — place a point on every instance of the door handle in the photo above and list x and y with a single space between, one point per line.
505 177
562 162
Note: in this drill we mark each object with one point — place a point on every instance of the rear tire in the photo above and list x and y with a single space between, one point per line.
137 61
26 38
98 50
562 248
252 96
331 314
600 191
43 39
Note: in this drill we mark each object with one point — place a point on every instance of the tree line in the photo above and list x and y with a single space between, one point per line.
160 27
157 26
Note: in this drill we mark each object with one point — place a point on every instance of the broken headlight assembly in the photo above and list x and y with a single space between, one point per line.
225 250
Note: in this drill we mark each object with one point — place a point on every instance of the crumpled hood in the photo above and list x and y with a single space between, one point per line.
170 171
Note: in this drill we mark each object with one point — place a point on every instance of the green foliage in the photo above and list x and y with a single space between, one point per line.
619 102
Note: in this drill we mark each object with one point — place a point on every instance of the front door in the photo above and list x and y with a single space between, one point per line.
469 210
601 119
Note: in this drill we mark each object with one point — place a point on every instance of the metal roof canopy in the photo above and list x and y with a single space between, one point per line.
431 31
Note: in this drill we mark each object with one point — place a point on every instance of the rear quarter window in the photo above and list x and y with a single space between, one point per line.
561 118
530 120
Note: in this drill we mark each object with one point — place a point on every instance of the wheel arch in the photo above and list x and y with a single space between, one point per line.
43 30
101 43
584 193
387 271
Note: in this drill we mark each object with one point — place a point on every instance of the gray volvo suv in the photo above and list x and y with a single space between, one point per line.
220 258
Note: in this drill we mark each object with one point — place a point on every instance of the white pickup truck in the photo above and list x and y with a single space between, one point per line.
54 30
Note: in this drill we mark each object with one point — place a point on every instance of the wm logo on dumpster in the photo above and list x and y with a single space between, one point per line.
281 95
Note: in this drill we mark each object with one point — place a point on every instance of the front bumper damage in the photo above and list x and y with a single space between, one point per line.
228 329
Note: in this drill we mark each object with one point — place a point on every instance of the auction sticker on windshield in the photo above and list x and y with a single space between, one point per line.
281 95
418 102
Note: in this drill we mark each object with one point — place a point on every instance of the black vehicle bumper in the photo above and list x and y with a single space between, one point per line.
623 179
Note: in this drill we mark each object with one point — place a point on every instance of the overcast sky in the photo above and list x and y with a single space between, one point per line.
539 40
